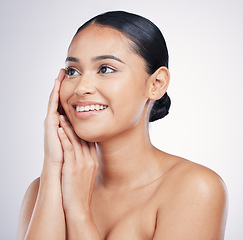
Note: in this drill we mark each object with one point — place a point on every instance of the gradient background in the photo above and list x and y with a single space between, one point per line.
204 39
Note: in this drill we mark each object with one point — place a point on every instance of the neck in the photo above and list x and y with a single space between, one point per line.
128 160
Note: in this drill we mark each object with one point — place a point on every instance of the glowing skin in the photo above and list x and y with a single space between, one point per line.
120 85
120 187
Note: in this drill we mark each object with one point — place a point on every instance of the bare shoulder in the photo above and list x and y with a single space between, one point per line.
27 207
195 199
195 178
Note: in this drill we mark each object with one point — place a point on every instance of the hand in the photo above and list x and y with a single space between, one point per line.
43 213
79 171
53 154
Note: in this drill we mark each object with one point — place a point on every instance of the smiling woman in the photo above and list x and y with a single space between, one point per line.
102 178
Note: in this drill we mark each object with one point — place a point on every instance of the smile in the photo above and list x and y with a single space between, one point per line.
87 108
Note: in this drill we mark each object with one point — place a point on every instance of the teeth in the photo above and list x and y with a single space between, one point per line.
87 108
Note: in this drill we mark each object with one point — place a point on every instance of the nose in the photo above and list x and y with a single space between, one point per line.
85 86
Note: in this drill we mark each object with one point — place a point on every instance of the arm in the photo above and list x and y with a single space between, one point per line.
78 178
197 209
42 215
41 212
27 208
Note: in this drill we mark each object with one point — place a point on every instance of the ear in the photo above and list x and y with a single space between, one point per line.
157 83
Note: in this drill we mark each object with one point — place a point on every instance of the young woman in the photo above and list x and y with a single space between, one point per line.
102 178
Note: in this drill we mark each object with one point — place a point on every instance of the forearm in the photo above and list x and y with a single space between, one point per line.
81 227
48 221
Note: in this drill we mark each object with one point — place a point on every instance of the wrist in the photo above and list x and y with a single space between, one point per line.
50 187
81 215
52 169
50 175
80 225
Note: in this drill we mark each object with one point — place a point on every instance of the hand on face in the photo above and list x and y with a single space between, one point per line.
79 170
53 154
74 158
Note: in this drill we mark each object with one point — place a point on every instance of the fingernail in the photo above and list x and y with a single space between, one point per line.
61 130
62 118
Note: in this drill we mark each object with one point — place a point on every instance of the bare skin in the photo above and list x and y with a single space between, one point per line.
121 187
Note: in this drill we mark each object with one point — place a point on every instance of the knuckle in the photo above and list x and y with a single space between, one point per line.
91 165
85 166
69 148
81 164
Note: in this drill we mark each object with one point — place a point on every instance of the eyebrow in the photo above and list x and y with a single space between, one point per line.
107 57
73 59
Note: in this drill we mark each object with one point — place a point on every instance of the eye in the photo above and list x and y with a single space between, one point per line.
106 69
71 72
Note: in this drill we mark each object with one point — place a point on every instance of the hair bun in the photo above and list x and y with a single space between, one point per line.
160 108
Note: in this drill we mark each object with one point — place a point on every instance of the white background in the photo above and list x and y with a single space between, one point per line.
204 39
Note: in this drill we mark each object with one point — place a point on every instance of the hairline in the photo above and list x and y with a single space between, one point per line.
131 41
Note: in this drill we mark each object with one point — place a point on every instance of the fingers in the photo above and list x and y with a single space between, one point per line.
73 138
85 149
85 152
54 97
80 162
61 75
93 151
80 158
68 150
91 158
90 148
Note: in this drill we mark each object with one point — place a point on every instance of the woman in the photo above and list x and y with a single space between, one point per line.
102 178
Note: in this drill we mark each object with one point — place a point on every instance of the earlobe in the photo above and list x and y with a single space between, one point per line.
158 83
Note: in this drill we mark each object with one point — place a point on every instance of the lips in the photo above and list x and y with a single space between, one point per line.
85 110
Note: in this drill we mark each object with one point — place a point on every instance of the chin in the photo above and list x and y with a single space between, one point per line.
90 136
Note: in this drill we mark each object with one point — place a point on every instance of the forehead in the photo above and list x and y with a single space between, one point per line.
100 40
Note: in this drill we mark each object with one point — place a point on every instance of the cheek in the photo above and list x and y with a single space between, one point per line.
128 103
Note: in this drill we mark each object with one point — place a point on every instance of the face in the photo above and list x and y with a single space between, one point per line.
103 93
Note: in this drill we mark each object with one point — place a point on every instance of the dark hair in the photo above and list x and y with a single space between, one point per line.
149 44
